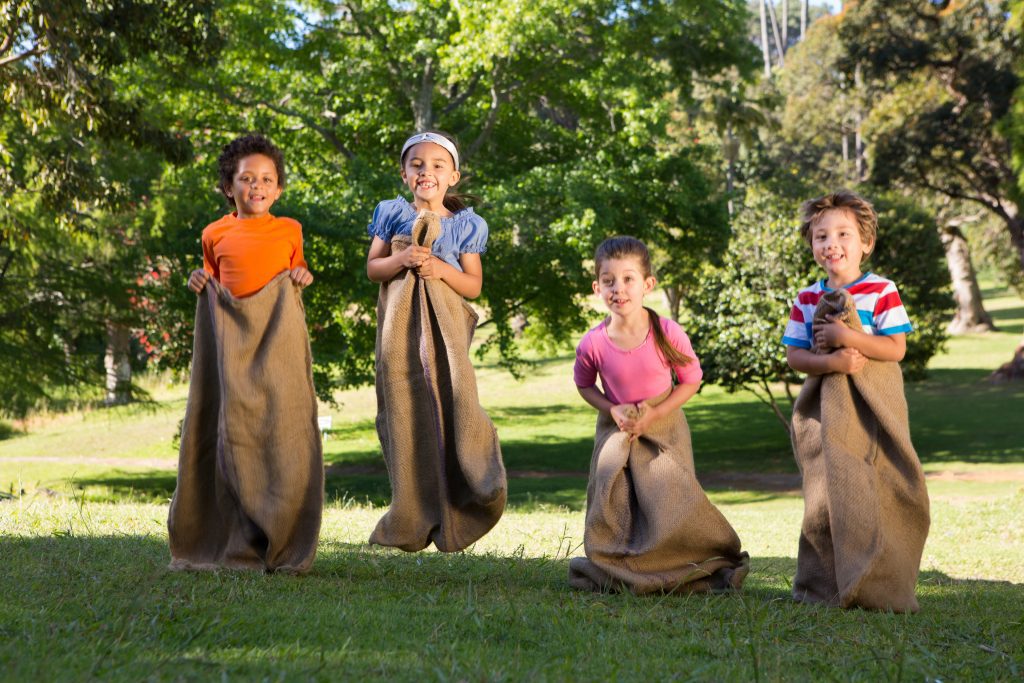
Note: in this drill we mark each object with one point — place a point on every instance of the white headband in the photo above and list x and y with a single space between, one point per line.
437 140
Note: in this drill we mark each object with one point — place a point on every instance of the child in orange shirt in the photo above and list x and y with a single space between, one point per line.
245 249
250 483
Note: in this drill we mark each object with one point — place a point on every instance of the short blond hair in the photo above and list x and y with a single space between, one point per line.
861 209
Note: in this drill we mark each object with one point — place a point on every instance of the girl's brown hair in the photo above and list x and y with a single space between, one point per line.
624 246
453 201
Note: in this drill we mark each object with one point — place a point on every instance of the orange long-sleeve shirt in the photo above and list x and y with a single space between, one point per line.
244 254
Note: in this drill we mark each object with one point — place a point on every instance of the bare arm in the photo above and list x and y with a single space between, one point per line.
620 413
596 398
876 347
846 360
382 265
649 414
467 283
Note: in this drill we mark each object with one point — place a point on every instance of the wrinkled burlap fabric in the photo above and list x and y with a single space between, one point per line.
250 468
649 525
441 450
865 502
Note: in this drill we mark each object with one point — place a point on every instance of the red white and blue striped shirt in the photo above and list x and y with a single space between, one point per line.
878 304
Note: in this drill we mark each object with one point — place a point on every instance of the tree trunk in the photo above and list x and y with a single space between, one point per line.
858 140
732 147
423 101
775 32
764 41
803 18
971 315
846 154
118 364
674 298
1015 223
785 25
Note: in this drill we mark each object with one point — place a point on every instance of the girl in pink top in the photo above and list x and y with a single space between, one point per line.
633 348
649 526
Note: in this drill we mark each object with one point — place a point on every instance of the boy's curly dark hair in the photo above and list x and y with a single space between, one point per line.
240 147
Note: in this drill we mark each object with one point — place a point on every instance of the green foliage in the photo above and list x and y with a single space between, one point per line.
78 153
910 253
739 309
561 117
944 76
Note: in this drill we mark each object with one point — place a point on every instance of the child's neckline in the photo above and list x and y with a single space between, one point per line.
825 287
255 219
412 209
608 338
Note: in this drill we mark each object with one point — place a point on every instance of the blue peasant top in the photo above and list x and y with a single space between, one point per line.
461 233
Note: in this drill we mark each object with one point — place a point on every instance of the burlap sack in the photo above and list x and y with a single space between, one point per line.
865 502
441 450
649 525
250 467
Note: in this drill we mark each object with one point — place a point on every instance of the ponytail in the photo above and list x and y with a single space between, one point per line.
457 201
673 357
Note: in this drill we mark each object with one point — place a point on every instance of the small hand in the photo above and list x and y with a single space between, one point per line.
849 361
432 268
644 421
830 335
414 256
197 279
302 277
624 414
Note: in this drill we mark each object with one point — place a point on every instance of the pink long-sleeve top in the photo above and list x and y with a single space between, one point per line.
637 374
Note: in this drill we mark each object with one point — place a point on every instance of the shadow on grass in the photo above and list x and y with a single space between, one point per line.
957 416
524 494
528 364
1004 315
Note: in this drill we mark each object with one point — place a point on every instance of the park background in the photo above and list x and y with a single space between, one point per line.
698 126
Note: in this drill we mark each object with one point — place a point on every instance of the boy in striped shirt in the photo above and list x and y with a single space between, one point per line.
841 229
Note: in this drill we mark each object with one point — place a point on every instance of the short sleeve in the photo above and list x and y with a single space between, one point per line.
890 316
383 223
691 373
584 371
209 258
298 259
475 239
797 330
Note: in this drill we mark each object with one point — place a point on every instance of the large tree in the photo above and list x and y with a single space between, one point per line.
75 148
561 112
948 70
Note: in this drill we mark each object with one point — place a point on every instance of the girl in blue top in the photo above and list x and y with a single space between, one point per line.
430 168
448 483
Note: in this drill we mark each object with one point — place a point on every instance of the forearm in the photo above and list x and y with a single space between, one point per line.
466 285
808 362
674 401
596 398
384 268
877 347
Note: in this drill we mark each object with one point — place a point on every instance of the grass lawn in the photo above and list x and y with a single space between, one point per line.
85 593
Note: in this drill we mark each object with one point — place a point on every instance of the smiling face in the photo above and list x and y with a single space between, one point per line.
429 170
621 283
254 187
839 247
